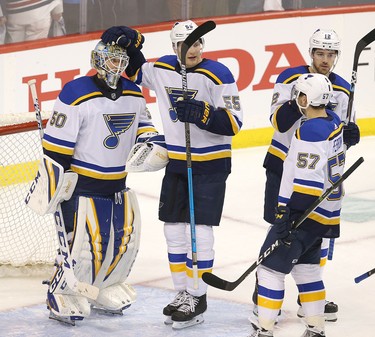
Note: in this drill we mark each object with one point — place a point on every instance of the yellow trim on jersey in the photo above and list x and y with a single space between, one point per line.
324 221
96 175
312 297
209 73
340 88
132 92
276 152
338 130
292 78
204 157
307 190
165 65
57 149
233 122
145 129
82 98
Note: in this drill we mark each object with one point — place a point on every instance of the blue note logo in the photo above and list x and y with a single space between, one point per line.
117 124
174 94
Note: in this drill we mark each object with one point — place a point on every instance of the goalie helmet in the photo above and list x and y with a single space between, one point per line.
325 39
180 31
110 61
316 87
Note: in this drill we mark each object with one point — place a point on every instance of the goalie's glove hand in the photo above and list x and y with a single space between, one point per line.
283 225
351 134
125 37
196 112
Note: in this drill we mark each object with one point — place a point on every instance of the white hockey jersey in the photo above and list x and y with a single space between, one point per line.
209 81
92 130
315 160
286 120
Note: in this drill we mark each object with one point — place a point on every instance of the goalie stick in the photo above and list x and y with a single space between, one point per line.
361 45
82 288
194 36
219 283
364 276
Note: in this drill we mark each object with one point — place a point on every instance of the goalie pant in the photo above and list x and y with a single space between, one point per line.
104 246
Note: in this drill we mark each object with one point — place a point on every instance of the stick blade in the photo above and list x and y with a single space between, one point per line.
217 282
196 34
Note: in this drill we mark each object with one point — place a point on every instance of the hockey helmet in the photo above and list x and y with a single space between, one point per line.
180 31
316 87
325 39
110 60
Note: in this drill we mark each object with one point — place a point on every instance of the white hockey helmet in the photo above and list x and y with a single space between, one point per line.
110 60
180 31
316 87
325 39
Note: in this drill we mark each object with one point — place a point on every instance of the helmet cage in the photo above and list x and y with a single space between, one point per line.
110 61
316 87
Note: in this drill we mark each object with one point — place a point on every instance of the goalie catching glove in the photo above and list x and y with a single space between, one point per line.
50 187
149 156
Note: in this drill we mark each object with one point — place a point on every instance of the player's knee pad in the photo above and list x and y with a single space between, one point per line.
306 273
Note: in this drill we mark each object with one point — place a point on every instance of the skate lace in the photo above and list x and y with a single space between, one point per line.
189 304
179 299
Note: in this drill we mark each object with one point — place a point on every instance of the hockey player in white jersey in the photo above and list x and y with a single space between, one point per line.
324 50
96 120
315 160
212 90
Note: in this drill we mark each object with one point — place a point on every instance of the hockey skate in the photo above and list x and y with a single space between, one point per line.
255 314
313 332
259 332
330 312
173 306
190 312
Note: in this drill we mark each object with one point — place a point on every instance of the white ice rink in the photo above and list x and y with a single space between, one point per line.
237 241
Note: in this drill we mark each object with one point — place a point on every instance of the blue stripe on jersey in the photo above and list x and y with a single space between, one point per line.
291 74
112 169
309 183
58 142
274 294
328 214
201 150
313 286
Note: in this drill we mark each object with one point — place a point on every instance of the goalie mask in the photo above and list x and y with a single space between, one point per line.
316 87
110 61
180 31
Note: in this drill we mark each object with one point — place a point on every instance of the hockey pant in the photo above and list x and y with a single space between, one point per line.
178 238
271 289
103 245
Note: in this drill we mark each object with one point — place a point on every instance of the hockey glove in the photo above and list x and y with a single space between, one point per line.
283 224
196 112
125 37
351 134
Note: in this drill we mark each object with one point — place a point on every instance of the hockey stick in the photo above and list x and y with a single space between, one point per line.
361 44
194 36
364 276
82 288
219 283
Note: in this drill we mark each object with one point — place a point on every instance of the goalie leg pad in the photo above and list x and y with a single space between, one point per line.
105 244
50 187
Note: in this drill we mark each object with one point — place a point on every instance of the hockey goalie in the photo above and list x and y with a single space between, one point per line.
97 123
